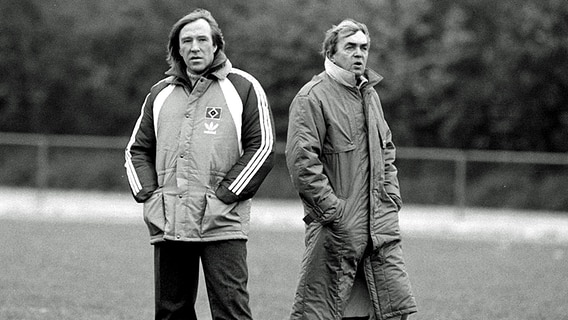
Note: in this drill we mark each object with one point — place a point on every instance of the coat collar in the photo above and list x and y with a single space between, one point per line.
220 68
348 78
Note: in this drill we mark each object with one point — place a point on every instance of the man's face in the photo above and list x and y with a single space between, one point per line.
196 46
352 53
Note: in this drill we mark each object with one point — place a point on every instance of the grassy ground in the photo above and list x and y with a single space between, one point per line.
67 270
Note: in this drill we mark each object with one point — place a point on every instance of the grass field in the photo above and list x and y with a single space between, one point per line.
70 270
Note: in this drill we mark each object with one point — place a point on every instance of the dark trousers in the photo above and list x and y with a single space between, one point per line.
176 273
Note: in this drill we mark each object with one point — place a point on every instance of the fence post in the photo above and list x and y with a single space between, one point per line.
460 183
42 162
42 172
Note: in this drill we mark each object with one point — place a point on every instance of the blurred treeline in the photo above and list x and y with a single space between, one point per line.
473 74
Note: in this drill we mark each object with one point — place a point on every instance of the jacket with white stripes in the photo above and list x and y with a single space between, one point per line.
199 152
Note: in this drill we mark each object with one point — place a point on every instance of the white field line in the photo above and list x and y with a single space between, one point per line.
436 221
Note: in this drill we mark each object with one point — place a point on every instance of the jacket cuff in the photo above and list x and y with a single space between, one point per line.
397 200
330 215
225 195
392 190
329 209
144 194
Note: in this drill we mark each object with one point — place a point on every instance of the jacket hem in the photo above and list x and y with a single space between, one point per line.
399 313
207 239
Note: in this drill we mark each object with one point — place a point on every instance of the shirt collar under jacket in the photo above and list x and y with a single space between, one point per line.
346 78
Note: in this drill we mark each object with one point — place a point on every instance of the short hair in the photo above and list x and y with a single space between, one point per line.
344 29
173 41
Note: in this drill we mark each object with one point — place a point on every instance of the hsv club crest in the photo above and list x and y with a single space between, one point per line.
212 113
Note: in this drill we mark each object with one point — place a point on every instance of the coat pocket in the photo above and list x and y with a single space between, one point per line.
340 168
154 215
220 217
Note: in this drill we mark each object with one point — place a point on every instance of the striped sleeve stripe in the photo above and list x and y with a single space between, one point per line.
133 179
159 103
267 138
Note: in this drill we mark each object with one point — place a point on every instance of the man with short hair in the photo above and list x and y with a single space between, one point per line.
200 149
341 156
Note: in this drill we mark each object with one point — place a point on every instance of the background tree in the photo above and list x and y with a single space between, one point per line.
474 74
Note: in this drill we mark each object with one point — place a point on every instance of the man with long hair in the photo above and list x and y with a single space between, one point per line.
200 149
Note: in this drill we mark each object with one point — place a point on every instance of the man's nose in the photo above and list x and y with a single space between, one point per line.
194 47
358 52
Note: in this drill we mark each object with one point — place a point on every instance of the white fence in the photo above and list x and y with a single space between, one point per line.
461 158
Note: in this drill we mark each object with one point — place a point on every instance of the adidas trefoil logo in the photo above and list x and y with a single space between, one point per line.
211 128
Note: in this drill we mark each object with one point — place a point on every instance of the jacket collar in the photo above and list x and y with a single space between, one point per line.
348 78
220 68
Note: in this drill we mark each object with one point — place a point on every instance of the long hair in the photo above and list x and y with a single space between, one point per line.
174 58
344 29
